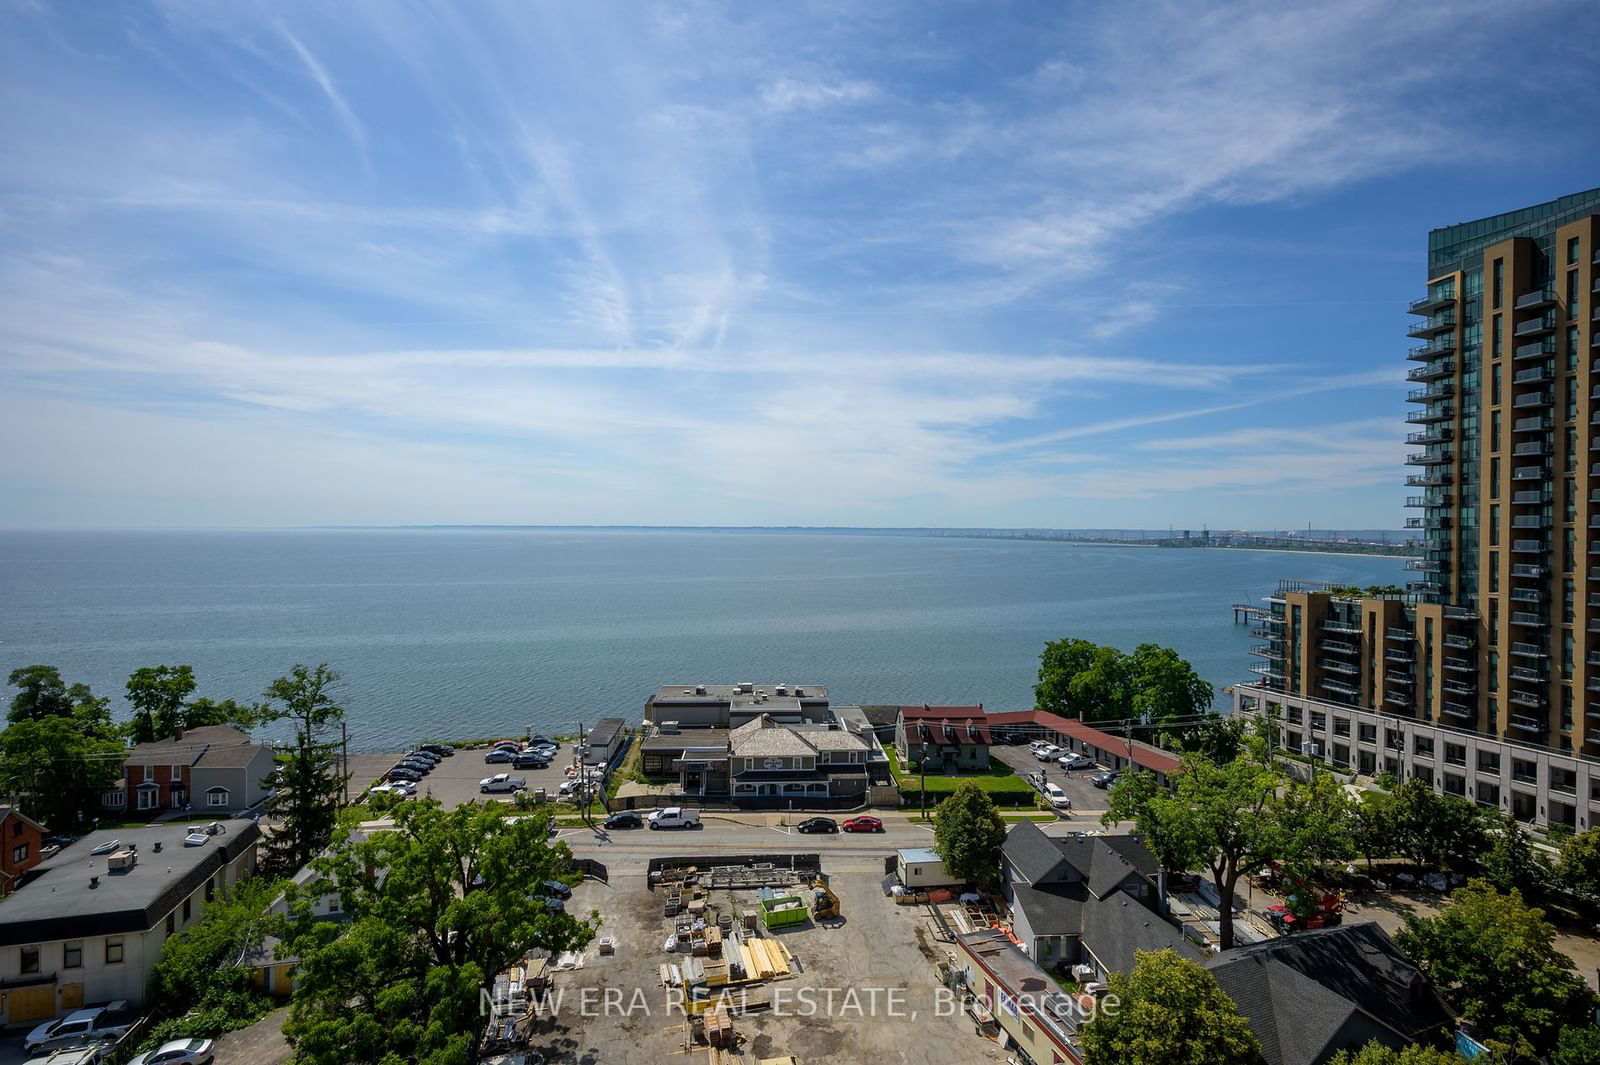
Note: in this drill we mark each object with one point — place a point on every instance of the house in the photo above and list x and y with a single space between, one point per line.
1086 900
21 840
946 739
1008 991
768 759
1312 994
920 868
214 768
87 925
606 741
687 706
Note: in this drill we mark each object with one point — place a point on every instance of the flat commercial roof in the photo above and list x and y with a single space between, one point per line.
58 902
730 695
919 854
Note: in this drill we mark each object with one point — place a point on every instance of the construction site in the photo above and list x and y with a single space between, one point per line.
769 959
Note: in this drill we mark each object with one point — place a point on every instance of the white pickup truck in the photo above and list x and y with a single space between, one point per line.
674 817
75 1028
502 782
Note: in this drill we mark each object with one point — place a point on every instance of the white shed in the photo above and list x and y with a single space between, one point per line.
920 868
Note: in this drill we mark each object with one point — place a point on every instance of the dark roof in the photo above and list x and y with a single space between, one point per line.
1144 755
12 811
1313 993
58 903
605 731
210 746
881 716
1115 927
693 737
1103 862
1056 910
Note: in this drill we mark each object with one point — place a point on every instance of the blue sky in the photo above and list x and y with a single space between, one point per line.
876 264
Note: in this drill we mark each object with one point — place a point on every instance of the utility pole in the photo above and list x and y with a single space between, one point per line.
1127 732
344 763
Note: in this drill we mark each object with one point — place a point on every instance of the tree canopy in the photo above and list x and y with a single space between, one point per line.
60 751
1168 1011
1433 830
1494 960
1376 1053
1578 870
437 908
970 835
157 695
1085 680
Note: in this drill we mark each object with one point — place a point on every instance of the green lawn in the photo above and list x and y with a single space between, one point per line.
998 777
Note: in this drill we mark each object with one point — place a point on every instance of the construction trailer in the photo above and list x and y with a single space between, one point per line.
920 869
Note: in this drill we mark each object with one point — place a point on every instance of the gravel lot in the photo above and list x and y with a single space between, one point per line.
878 945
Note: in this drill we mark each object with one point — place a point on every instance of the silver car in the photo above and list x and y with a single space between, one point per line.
178 1052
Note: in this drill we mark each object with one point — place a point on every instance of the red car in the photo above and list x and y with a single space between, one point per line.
863 824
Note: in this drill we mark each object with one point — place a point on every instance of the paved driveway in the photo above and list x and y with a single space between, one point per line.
260 1044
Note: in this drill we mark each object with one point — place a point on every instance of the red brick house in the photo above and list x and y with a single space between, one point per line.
21 838
214 767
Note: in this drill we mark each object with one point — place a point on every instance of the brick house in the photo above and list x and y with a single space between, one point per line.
211 768
21 838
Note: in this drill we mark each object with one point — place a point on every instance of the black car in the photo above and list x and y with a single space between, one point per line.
556 889
1106 779
443 750
527 760
625 819
818 824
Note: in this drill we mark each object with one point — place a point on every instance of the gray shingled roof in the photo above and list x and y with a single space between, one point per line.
1115 927
1104 862
1056 910
1308 995
763 737
217 746
1034 854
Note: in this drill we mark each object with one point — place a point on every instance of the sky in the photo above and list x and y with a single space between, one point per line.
881 264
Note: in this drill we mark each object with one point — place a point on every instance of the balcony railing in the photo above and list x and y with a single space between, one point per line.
1443 344
1534 373
1432 370
1438 434
1536 348
1527 400
1436 479
1413 523
1430 458
1532 521
1545 323
1529 650
1529 675
1440 412
1534 496
1458 641
1461 665
1530 547
1529 473
1526 724
1537 423
1523 569
1433 301
1435 323
1400 678
1392 633
1349 628
1528 620
1533 447
1540 297
1339 647
1438 390
1460 710
1534 699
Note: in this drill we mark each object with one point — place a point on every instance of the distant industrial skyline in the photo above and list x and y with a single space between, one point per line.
641 264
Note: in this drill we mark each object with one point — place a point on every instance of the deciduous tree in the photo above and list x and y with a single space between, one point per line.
309 787
1084 680
157 694
1494 960
1434 830
1226 818
198 989
438 907
198 713
970 835
1511 860
1376 1053
1579 868
1168 1011
1164 686
56 767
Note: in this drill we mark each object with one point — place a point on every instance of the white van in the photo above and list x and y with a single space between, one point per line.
1057 797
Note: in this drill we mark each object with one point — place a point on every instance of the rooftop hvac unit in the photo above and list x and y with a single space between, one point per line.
123 860
699 689
799 691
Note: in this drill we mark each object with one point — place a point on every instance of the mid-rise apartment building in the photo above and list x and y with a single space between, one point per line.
1498 635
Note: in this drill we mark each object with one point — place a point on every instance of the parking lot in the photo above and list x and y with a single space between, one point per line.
813 1015
455 779
1088 801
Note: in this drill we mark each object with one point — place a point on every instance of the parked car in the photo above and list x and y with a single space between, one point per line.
421 765
401 772
1047 753
79 1026
1075 761
443 750
1105 779
528 760
87 1054
179 1052
541 740
1057 797
425 756
625 819
547 749
499 754
502 782
553 905
675 817
510 745
817 824
863 823
556 889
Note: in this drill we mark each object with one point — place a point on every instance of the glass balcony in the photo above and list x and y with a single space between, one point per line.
1436 323
1532 447
1459 710
1439 434
1523 401
1529 650
1545 323
1536 496
1534 699
1431 480
1547 346
1530 547
1437 300
1458 641
1541 297
1525 724
1441 412
1430 371
1537 423
1443 344
1528 620
1430 458
1438 390
1534 373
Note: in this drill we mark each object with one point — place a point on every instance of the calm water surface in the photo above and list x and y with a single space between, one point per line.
473 632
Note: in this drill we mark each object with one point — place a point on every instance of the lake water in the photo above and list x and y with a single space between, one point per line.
468 632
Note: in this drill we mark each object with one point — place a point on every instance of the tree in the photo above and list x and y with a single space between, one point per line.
1318 823
1579 868
201 712
1495 962
1169 1011
1511 862
55 768
1432 829
1220 739
969 834
1376 1053
40 694
157 694
1577 1045
437 908
1165 687
1372 826
1062 662
198 989
1227 818
309 787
